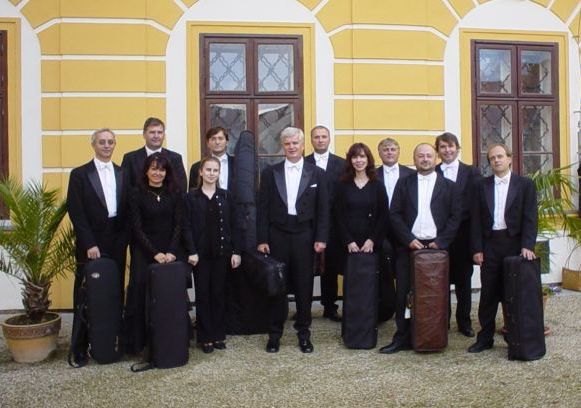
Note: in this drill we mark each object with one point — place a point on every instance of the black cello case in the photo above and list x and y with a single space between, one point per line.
167 317
246 305
523 301
97 320
360 301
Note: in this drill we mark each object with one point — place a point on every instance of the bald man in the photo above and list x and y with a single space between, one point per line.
425 213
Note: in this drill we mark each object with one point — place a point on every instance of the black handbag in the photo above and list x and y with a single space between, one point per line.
266 273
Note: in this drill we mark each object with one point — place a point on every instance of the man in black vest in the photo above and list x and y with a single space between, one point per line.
504 223
97 206
425 213
333 166
154 134
217 144
293 223
466 177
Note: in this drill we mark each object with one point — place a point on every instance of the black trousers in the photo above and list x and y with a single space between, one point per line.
295 249
461 268
210 283
135 325
403 283
334 261
496 248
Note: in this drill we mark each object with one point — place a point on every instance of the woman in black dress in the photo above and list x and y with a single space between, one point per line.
157 219
213 247
361 208
361 204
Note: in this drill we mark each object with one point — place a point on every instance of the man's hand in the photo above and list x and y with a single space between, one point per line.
478 258
320 247
193 259
264 248
235 261
433 245
415 244
93 253
169 257
527 254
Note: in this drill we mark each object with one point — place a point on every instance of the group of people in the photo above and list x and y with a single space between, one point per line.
319 206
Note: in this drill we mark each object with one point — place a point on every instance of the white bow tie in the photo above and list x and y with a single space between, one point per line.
106 166
498 180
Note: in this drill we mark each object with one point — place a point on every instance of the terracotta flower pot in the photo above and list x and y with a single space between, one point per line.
34 342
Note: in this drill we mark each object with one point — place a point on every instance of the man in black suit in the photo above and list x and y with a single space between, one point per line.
466 178
425 213
96 202
217 144
389 173
333 166
293 220
504 223
154 134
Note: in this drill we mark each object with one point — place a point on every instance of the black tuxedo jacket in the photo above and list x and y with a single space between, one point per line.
520 212
445 205
335 168
88 209
133 165
312 201
195 174
467 179
404 171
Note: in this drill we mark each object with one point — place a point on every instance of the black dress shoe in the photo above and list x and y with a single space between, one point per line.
306 346
466 331
272 346
332 315
394 347
479 347
219 345
207 348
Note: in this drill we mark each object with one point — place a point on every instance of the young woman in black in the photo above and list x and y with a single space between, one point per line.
212 245
157 219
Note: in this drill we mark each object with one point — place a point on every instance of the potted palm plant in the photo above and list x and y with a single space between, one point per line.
35 249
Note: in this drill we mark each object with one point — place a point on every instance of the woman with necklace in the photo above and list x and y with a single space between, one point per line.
213 246
157 219
361 211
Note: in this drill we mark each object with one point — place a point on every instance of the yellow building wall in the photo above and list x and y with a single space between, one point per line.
388 73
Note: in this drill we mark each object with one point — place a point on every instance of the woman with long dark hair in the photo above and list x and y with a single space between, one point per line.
157 219
213 247
361 208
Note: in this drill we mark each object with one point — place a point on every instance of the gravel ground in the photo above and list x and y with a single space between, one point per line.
245 375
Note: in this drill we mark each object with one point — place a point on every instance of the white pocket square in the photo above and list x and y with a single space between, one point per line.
313 185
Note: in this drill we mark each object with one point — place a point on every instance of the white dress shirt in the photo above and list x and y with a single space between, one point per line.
223 180
150 152
109 184
390 177
321 160
292 178
450 170
500 194
424 226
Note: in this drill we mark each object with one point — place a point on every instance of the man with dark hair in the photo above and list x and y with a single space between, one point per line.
293 221
504 223
217 144
154 134
97 206
466 177
425 213
333 166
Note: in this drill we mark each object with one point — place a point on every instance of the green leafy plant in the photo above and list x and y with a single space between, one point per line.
35 248
555 188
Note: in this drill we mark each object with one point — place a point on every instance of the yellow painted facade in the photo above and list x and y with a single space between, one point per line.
105 64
